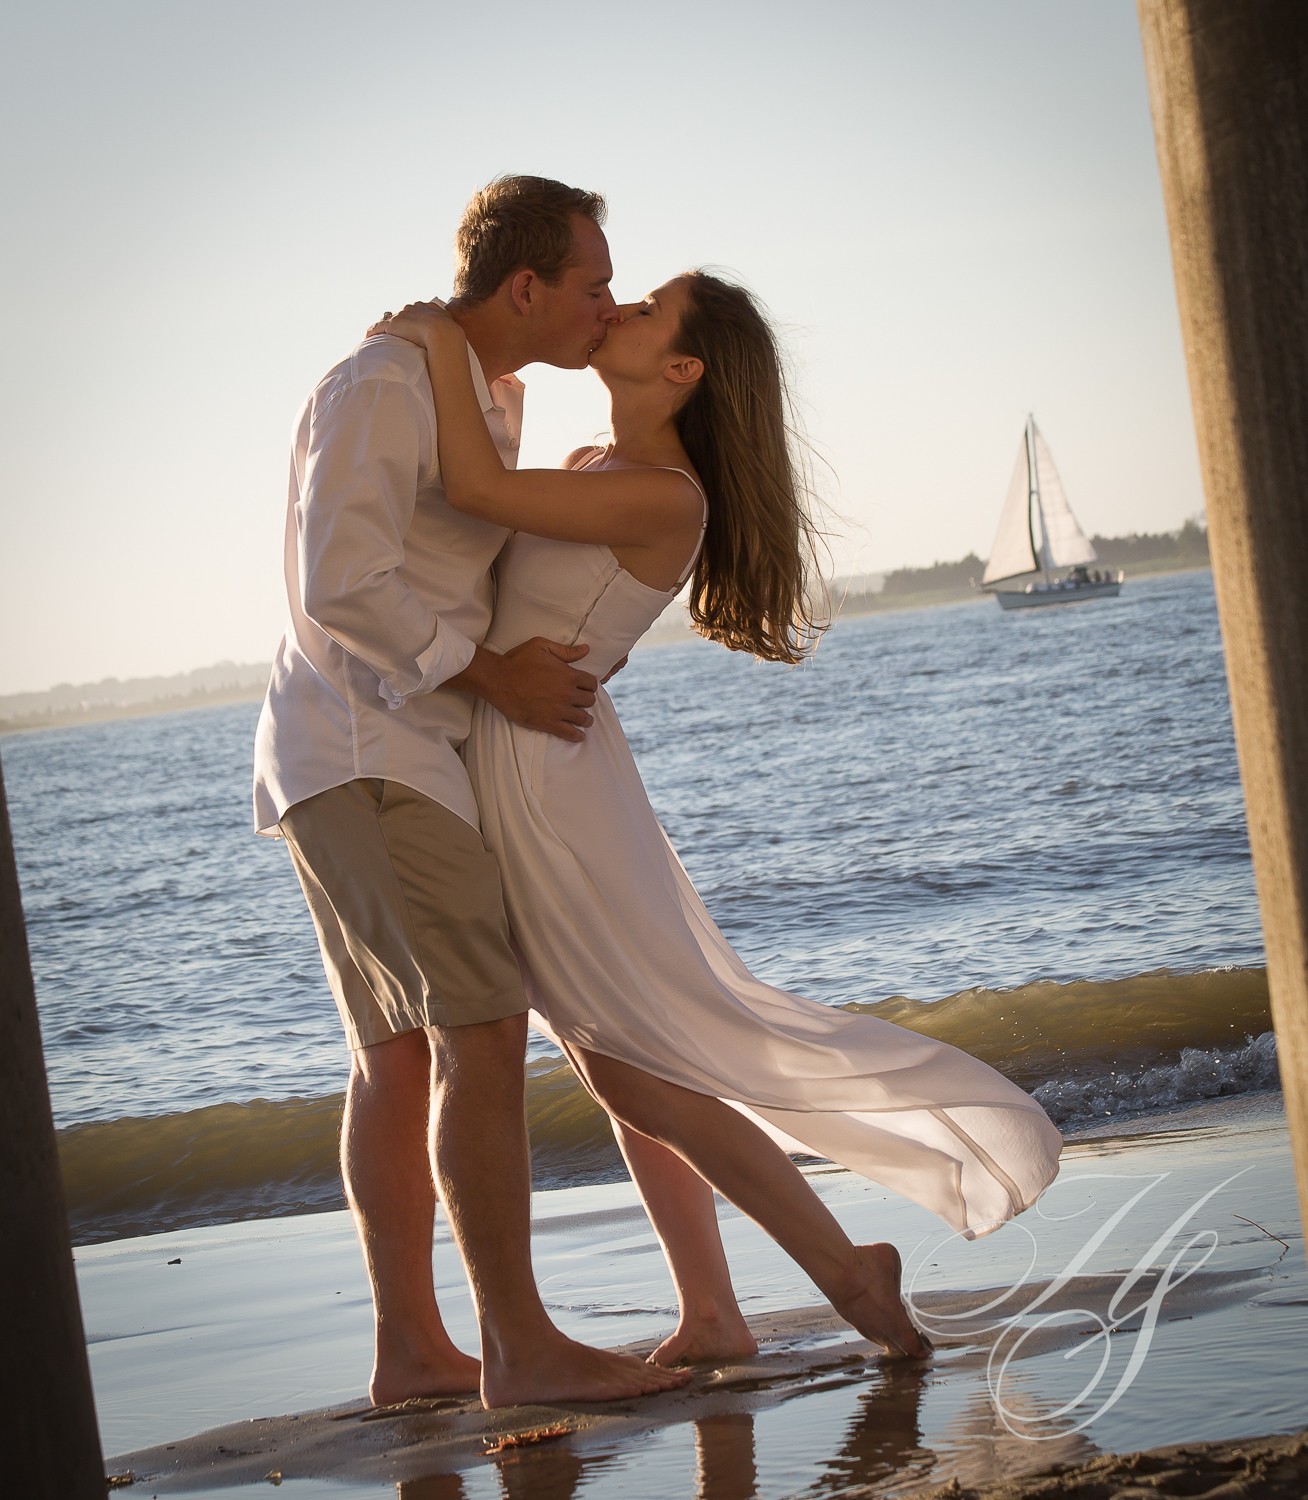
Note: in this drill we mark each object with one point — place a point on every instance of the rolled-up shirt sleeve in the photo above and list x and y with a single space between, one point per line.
369 448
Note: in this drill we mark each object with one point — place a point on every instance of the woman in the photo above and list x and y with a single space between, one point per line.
657 1013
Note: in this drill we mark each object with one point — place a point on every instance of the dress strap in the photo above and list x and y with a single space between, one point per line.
595 452
703 526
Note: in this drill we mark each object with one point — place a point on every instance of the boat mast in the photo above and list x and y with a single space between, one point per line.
1033 481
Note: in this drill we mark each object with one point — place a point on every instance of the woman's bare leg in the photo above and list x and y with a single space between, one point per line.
747 1167
680 1206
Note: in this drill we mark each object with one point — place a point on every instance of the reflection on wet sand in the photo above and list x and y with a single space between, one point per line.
433 1487
884 1438
1014 1363
552 1472
724 1457
883 1441
976 1448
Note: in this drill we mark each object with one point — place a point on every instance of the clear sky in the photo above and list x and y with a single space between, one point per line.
951 206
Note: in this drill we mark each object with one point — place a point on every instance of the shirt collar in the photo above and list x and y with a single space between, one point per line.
485 393
484 397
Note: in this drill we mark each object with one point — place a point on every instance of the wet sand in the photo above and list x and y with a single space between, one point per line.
1156 1298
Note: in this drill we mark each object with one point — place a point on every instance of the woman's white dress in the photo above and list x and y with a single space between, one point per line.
623 958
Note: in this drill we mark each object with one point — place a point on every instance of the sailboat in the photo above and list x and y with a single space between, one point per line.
1039 534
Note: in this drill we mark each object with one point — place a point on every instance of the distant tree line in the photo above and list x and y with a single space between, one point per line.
1187 547
941 575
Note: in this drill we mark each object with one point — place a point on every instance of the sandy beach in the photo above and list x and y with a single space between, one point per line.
1157 1297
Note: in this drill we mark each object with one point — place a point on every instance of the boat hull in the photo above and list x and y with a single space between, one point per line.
1039 598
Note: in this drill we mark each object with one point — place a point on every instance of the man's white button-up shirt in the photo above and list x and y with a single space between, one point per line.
389 589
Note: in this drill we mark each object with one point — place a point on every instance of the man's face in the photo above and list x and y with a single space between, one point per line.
571 318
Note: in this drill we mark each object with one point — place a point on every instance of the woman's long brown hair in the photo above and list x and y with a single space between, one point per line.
753 584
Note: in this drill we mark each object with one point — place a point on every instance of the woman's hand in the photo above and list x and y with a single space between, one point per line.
419 323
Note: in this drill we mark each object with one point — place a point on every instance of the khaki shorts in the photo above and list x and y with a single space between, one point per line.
410 915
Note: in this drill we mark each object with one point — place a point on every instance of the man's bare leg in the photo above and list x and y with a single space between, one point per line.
749 1168
388 1181
711 1326
483 1169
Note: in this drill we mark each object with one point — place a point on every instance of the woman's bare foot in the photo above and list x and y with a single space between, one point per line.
399 1376
708 1337
870 1301
562 1370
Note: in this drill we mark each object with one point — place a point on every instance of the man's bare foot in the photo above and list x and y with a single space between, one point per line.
870 1301
562 1370
448 1372
707 1338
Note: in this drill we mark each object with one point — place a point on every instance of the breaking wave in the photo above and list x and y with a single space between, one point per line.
1088 1051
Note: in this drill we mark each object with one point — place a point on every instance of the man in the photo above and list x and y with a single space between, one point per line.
357 766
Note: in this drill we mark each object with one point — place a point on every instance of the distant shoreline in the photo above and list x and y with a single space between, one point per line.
852 606
879 604
103 713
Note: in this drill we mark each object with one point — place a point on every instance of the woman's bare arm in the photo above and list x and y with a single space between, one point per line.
622 507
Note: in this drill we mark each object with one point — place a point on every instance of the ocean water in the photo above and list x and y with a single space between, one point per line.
1023 833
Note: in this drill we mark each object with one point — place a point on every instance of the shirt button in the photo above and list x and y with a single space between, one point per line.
513 442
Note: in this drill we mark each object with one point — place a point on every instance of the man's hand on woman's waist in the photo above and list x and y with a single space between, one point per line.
535 685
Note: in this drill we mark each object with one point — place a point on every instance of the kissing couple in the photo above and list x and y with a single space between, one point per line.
474 842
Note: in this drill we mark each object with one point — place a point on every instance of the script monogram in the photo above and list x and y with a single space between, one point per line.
1175 1254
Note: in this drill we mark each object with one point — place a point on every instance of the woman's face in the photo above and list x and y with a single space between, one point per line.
643 340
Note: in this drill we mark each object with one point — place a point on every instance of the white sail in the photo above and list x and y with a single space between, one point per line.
1013 552
1062 543
1037 530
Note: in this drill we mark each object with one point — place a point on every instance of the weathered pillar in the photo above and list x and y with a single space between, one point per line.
1228 84
52 1447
